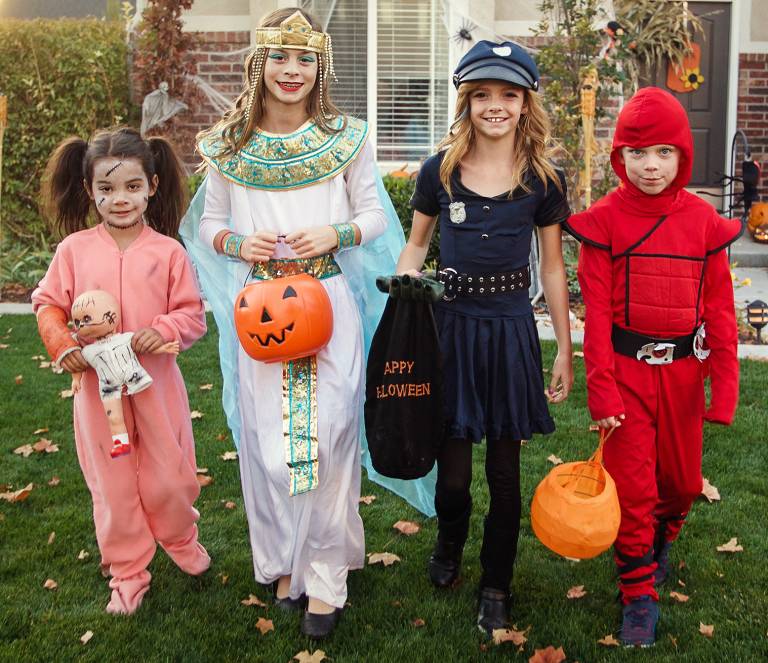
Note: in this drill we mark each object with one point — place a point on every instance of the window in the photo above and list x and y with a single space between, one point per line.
407 82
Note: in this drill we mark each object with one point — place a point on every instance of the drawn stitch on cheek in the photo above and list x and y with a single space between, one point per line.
114 168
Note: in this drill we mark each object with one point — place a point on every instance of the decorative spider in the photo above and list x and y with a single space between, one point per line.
464 32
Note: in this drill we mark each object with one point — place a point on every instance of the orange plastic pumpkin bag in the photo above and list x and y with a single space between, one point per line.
575 509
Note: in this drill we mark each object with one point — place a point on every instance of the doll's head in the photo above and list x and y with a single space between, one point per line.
96 315
652 147
118 174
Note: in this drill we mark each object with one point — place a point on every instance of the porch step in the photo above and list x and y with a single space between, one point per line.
748 253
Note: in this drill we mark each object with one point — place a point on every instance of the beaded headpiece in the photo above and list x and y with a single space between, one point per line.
295 32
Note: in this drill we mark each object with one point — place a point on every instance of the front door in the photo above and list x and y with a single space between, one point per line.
706 104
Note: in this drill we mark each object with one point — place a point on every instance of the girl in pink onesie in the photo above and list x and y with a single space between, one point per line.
144 497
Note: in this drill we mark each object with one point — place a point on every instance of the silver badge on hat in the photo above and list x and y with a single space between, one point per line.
503 51
457 212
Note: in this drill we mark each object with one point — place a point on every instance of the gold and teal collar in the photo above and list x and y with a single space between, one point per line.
305 157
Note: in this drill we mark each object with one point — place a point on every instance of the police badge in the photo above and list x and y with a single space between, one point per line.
458 213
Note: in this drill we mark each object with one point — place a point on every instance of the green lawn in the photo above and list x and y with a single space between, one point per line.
188 619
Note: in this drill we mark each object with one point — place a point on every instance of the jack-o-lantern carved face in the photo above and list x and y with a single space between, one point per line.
283 319
758 216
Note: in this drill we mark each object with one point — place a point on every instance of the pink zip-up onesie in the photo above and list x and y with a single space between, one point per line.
147 496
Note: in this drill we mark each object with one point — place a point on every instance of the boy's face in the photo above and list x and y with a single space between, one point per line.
651 169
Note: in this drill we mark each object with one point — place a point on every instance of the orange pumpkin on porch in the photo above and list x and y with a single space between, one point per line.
758 215
283 319
575 509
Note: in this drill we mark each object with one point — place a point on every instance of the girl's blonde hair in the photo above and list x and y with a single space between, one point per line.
531 149
238 123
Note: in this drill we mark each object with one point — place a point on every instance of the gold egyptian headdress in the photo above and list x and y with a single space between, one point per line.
295 32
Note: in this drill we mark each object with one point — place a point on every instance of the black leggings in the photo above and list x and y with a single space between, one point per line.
502 524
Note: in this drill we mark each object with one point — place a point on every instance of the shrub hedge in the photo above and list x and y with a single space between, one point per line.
61 77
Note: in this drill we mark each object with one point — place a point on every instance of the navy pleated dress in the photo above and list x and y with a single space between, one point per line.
493 380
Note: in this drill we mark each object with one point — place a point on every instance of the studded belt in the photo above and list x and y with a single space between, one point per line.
459 284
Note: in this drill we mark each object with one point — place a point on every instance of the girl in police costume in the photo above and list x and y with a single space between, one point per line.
489 186
292 188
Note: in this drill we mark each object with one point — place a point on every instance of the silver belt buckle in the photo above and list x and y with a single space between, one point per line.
657 353
446 297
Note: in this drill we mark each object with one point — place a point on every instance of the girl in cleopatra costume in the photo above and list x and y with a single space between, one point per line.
126 274
489 186
655 275
292 189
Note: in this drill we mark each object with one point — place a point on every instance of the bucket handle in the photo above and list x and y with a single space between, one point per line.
597 457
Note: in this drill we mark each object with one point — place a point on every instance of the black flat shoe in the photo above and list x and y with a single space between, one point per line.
492 610
445 564
288 604
317 626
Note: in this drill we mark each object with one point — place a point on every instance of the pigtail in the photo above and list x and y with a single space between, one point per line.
64 201
166 207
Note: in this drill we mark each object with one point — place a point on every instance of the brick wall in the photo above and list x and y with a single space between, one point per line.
221 71
753 109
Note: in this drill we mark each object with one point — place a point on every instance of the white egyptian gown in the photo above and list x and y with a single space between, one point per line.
315 536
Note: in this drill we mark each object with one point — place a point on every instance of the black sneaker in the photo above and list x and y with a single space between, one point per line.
639 619
492 610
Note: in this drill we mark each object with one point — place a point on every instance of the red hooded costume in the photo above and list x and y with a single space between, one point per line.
655 266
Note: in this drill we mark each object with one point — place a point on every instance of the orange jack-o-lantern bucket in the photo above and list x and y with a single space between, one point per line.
575 509
283 319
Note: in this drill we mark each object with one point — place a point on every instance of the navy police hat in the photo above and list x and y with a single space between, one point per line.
502 62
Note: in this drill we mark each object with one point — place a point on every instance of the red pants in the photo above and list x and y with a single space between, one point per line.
655 459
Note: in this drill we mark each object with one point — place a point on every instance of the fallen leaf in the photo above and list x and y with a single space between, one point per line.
19 495
221 437
673 640
3 346
608 641
265 625
576 592
39 431
548 655
204 480
710 492
195 414
24 450
418 622
680 598
51 538
681 565
406 527
578 353
44 445
554 459
396 604
224 578
206 387
253 600
387 559
66 393
229 455
681 583
202 470
306 657
55 481
229 505
18 379
731 547
573 559
720 575
50 584
367 499
501 635
707 630
83 554
38 357
85 637
45 364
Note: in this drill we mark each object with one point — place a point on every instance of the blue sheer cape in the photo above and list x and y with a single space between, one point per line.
361 266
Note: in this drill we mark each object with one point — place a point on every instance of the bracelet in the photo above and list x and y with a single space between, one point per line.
345 235
232 244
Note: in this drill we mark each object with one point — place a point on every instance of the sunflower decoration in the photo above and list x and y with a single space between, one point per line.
692 78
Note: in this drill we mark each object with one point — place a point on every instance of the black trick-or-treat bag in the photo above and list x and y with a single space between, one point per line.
403 396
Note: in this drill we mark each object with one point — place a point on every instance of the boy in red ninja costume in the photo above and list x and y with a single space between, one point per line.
655 279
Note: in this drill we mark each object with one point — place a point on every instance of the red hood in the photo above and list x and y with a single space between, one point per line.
653 117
